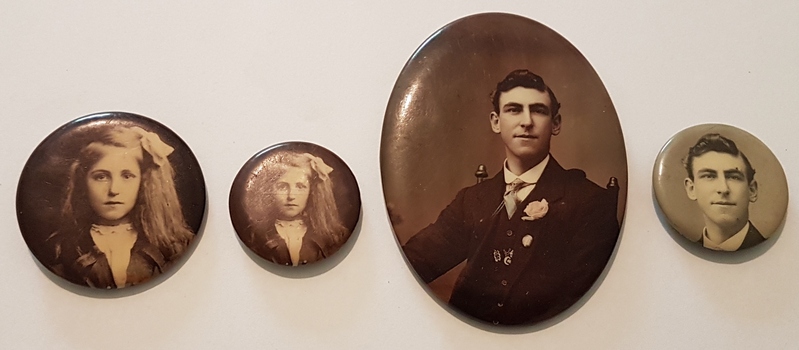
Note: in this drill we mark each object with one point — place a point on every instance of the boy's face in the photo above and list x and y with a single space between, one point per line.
525 123
721 189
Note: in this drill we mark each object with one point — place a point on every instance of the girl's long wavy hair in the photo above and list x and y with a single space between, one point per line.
321 211
157 213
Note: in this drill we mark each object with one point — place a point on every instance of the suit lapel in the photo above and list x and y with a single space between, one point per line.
489 202
550 187
752 238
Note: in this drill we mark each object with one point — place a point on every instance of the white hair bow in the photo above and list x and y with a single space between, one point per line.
319 166
152 143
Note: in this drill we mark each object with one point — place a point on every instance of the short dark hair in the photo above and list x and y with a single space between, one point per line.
527 79
716 143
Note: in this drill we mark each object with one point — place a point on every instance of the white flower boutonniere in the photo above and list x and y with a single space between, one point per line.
536 210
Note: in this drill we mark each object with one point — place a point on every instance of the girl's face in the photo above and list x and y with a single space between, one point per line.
113 185
291 193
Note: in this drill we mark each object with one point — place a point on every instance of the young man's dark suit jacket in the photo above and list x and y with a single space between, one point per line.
753 237
570 247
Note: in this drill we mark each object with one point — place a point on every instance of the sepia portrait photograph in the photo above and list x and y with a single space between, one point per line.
110 200
294 204
721 187
504 169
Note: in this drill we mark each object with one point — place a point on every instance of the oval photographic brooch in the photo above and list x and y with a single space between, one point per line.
504 169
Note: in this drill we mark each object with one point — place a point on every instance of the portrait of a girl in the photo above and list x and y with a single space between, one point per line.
120 221
294 218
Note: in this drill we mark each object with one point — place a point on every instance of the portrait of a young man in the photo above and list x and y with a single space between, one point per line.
504 170
535 236
722 182
720 187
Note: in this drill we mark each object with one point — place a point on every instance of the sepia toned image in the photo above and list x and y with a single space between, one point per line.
110 200
294 203
504 169
721 187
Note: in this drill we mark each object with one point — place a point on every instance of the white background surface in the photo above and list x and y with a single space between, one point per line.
234 77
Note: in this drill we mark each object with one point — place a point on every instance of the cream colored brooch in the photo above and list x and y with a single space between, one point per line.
527 241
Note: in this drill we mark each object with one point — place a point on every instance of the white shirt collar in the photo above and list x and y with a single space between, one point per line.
529 176
731 244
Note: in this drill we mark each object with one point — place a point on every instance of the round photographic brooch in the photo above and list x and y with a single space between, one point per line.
294 203
110 200
721 187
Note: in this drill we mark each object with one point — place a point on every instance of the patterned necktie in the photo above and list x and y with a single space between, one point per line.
511 198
